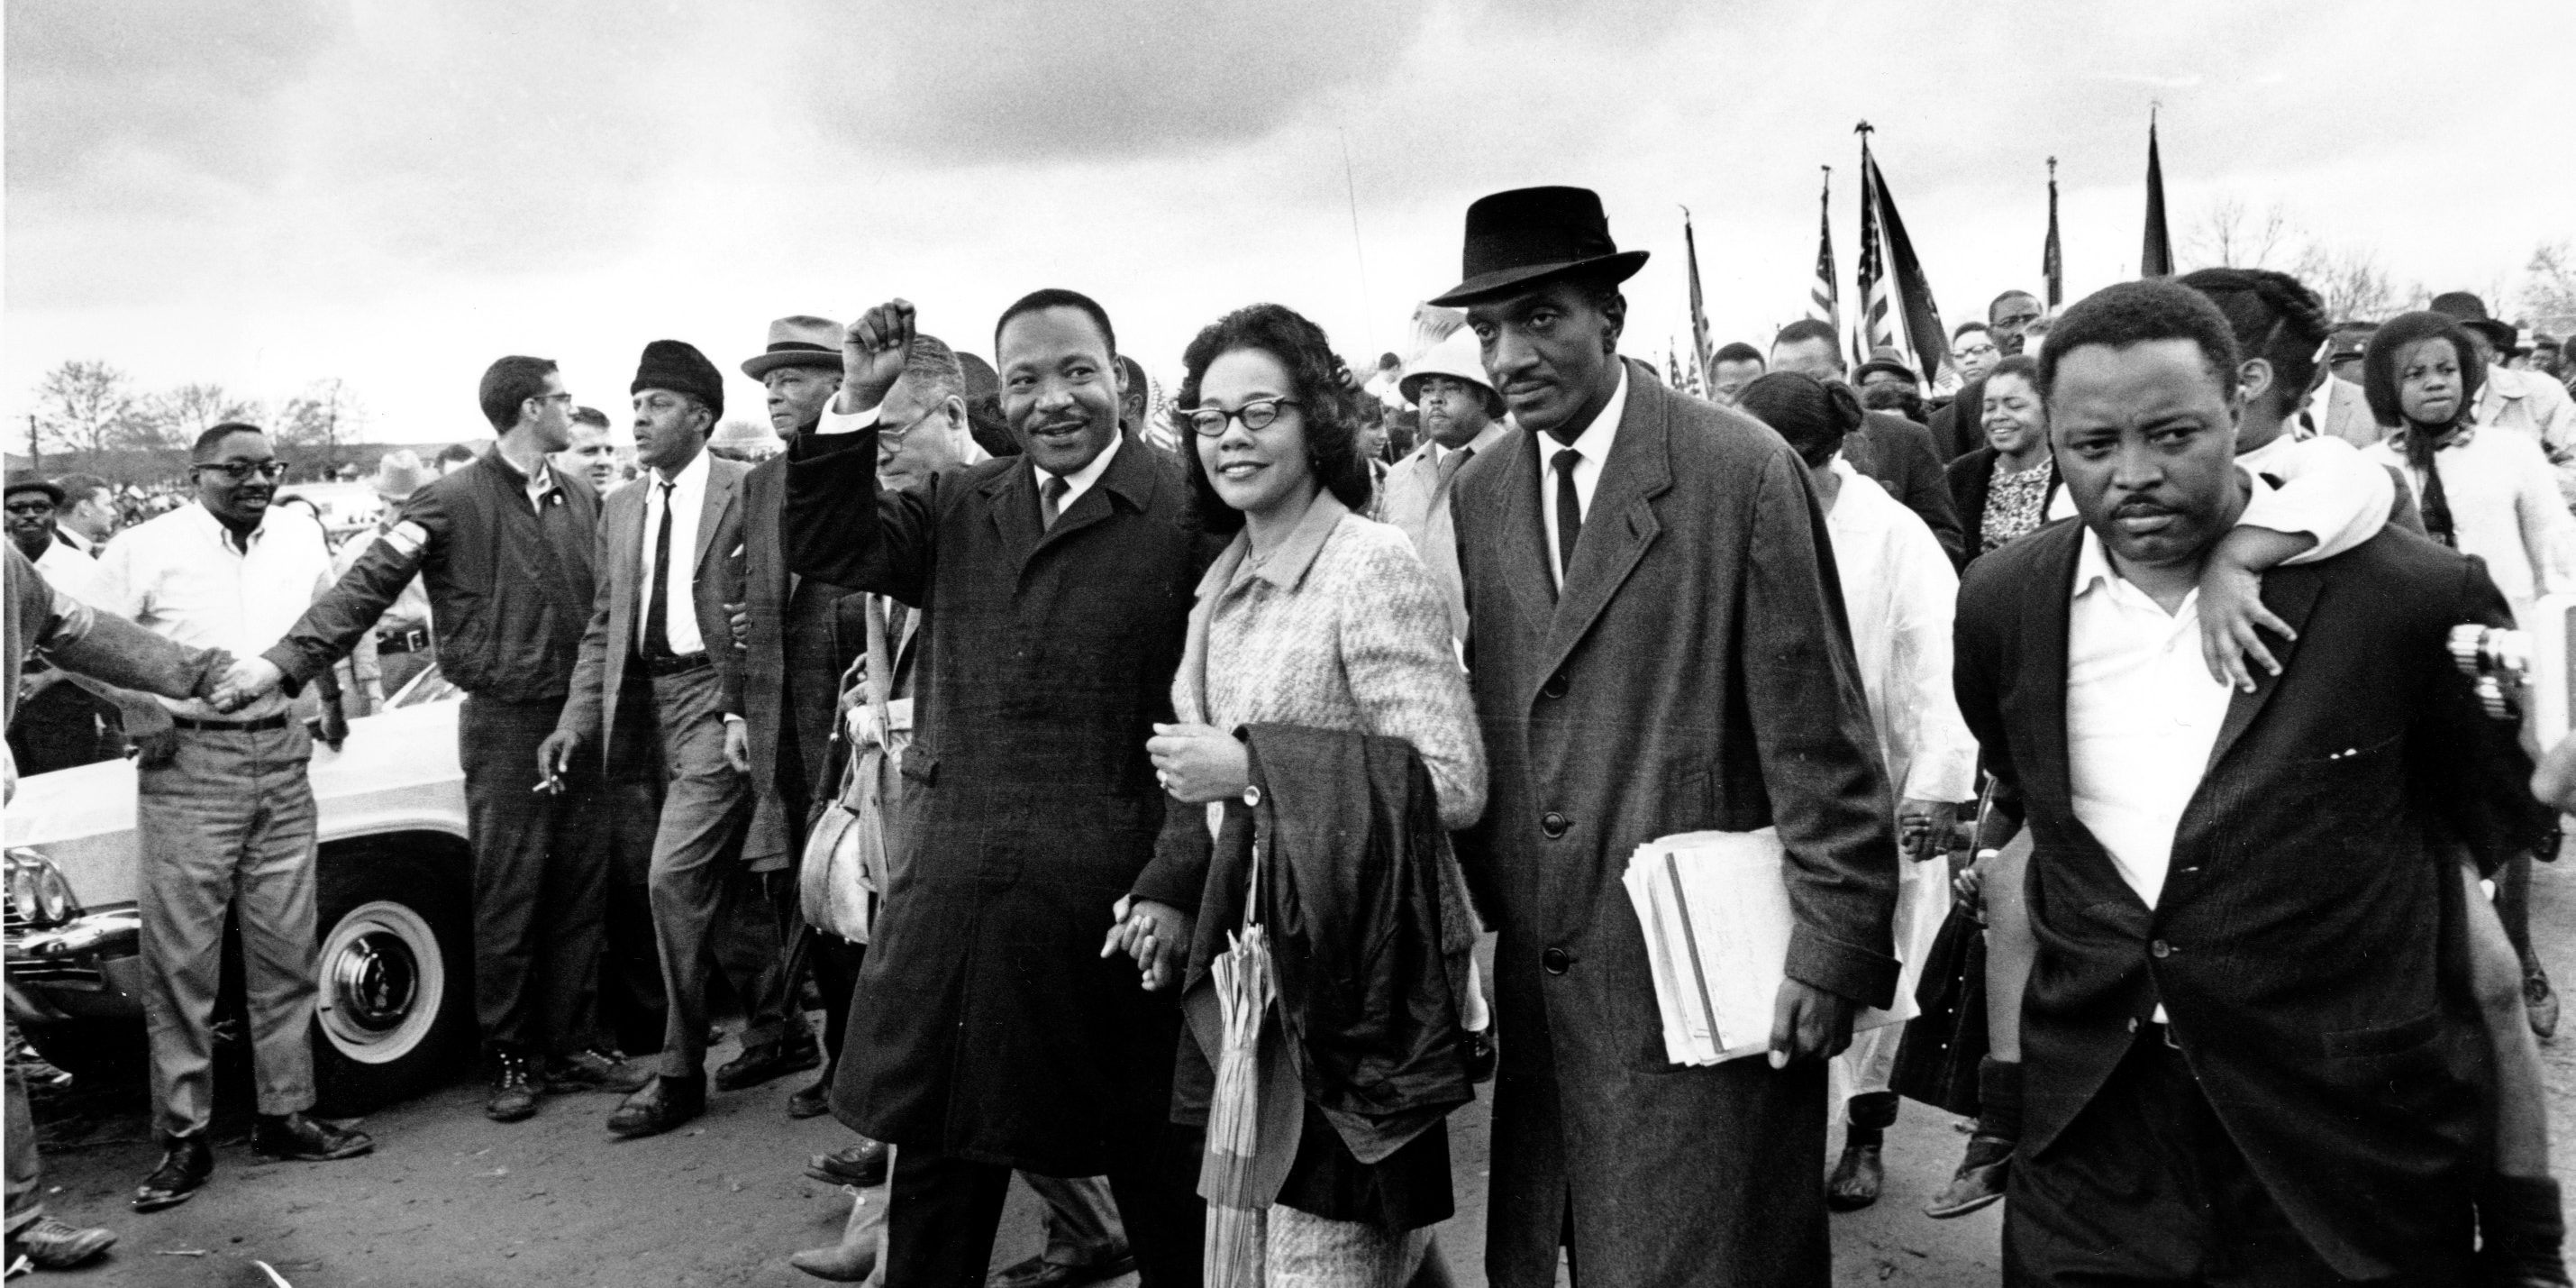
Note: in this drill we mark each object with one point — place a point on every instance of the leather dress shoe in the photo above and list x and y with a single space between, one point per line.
1856 1178
594 1070
186 1166
854 1258
59 1245
1038 1272
762 1061
514 1088
660 1105
1481 1054
1981 1179
862 1165
2541 1001
812 1100
299 1138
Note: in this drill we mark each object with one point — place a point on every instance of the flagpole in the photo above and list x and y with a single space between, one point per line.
2052 265
1351 188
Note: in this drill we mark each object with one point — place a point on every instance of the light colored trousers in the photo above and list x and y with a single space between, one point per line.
26 1170
227 826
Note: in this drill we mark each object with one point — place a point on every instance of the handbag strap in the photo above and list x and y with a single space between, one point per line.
880 662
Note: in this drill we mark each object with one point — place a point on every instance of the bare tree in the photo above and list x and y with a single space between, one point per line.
321 419
86 405
2230 236
2350 279
2549 288
192 409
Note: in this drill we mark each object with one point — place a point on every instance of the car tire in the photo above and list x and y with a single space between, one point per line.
394 966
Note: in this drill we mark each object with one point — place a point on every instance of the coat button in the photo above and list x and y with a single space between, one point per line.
2160 950
1555 686
1554 824
1555 960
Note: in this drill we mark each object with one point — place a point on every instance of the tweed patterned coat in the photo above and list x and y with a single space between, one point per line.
1696 673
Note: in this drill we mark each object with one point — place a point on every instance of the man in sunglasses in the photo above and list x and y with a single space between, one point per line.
224 814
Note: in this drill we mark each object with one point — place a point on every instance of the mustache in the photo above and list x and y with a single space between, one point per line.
2141 508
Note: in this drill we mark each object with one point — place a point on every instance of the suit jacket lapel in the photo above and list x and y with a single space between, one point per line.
722 486
1524 532
1621 523
2042 668
2291 594
1129 473
1012 500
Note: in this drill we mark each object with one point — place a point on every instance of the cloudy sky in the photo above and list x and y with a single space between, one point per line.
396 191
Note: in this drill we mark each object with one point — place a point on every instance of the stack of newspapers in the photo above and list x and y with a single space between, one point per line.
1715 909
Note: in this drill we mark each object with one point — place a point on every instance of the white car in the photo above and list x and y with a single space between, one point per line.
393 924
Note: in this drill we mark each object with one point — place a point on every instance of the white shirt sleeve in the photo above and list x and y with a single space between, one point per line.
2548 532
2330 492
1940 755
837 422
118 591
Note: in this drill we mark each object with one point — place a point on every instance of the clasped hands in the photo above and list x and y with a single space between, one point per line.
246 681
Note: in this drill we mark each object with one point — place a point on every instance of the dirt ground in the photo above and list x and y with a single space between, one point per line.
453 1201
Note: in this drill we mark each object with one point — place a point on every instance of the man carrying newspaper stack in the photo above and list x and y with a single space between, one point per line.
1657 648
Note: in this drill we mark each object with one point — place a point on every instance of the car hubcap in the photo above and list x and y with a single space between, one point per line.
382 978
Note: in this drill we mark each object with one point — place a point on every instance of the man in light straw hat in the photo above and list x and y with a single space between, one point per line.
1462 416
503 547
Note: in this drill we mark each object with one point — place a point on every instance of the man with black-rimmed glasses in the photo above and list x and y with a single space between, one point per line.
225 815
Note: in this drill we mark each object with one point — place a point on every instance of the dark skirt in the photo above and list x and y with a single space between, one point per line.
1406 1190
1937 1061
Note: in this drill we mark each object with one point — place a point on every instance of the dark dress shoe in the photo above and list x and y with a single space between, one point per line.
862 1165
298 1138
662 1104
514 1089
1038 1272
813 1100
594 1070
763 1061
1856 1178
186 1166
1480 1054
2541 1001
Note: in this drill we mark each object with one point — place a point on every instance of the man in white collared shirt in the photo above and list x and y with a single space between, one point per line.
224 812
670 558
2240 900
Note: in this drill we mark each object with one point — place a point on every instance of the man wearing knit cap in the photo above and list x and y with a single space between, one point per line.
670 559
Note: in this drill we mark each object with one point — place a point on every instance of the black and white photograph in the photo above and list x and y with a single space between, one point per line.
1436 644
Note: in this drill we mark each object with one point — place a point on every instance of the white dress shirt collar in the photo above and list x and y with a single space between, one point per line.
687 496
1080 480
1593 446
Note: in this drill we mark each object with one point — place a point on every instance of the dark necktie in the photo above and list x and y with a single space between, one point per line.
1569 511
657 613
1051 500
1447 470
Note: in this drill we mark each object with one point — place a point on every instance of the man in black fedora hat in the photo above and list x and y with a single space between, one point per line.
1657 648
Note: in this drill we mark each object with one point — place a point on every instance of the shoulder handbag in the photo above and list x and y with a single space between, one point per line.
842 878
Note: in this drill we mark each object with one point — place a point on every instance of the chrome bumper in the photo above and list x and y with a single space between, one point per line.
89 966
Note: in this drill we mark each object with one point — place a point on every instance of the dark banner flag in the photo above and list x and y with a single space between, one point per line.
2052 258
1927 342
1699 314
2157 259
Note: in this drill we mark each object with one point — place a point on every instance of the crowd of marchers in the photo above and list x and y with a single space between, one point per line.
1134 779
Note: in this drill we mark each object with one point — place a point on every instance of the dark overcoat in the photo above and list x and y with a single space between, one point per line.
986 1024
2298 945
801 634
1697 674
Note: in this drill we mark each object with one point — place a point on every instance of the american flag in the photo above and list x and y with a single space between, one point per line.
1875 331
1825 298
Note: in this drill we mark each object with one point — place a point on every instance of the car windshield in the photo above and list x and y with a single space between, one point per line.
428 686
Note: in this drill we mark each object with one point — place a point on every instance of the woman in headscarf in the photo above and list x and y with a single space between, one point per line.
2483 491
